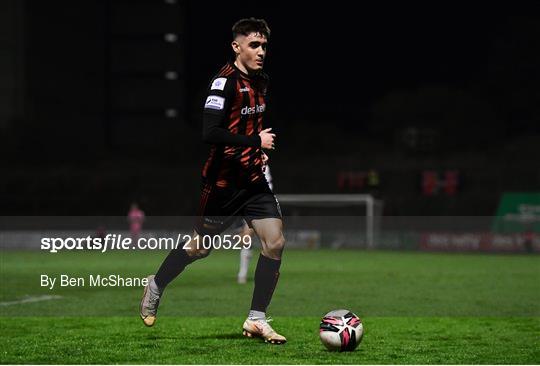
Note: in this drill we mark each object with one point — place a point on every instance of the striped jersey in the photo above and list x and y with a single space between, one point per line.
236 102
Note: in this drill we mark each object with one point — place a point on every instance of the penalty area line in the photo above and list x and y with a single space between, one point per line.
31 299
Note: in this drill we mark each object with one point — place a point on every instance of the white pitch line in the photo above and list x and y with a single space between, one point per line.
31 299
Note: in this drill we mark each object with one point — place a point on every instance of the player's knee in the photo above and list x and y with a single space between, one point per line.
195 253
274 247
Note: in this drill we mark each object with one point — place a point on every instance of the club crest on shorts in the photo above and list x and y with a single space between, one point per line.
278 206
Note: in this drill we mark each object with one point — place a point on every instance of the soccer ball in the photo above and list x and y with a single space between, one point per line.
341 330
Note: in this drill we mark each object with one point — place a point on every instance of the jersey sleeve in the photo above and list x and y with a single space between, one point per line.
217 106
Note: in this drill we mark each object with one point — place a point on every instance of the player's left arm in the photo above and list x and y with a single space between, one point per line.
216 110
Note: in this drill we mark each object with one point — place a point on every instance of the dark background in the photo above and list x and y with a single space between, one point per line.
90 123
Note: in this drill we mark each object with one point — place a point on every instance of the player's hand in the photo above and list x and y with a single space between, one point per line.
267 139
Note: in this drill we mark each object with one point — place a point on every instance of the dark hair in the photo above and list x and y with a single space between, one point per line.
250 25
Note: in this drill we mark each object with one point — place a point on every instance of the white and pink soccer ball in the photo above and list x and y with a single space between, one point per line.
341 330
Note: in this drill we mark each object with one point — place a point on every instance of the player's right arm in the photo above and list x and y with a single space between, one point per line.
216 110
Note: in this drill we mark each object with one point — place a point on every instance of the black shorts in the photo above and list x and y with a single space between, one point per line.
220 207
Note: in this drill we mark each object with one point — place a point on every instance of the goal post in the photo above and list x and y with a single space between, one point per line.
373 207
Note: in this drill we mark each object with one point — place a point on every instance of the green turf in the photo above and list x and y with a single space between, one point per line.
388 340
416 307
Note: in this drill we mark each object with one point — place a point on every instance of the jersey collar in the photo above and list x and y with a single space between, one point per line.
243 74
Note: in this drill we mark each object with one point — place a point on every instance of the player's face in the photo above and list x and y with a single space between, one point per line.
250 51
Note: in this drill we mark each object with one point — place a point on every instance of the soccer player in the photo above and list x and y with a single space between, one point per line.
233 182
135 219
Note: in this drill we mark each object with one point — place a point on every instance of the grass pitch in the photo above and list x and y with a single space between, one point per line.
416 307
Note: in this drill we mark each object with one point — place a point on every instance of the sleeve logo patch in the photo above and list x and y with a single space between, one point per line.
214 102
218 84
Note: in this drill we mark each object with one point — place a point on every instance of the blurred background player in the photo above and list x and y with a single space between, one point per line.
135 219
233 178
244 230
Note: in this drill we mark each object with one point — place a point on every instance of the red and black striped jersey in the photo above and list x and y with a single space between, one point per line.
232 119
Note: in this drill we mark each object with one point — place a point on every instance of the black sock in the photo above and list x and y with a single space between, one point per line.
172 266
266 277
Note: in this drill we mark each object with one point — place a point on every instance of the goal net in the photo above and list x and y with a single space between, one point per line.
331 220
